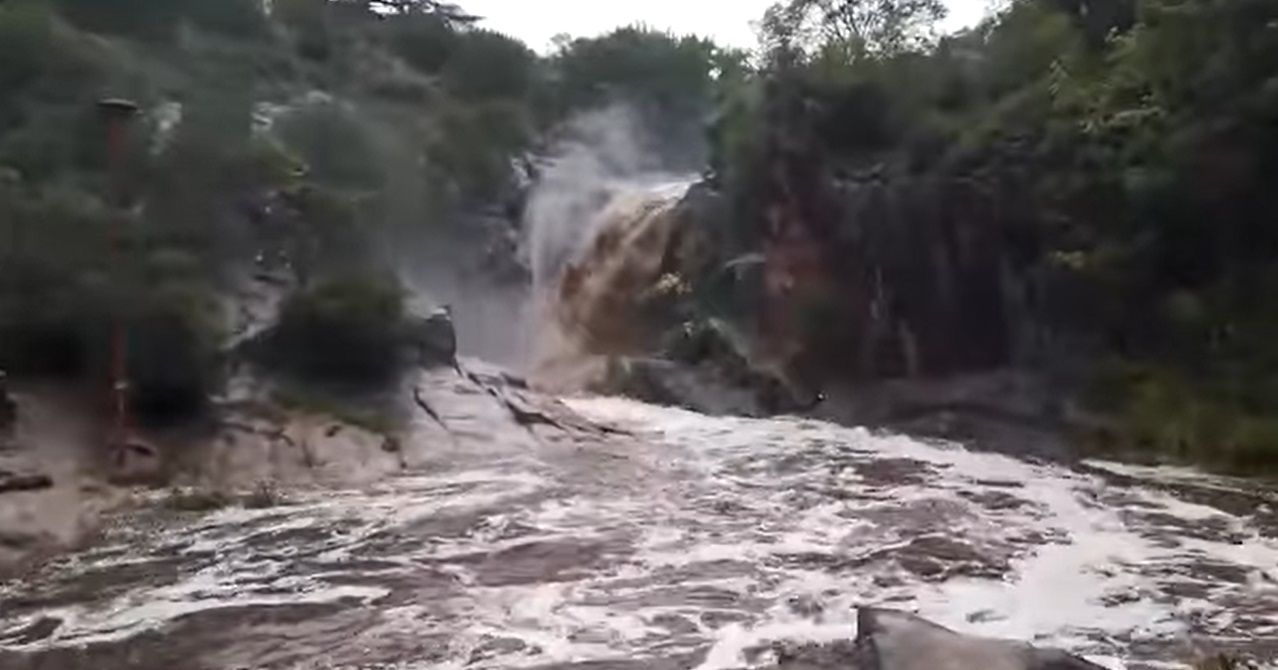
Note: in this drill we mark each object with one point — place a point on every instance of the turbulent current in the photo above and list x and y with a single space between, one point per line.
669 540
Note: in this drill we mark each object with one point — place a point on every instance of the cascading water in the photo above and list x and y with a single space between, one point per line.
597 228
599 158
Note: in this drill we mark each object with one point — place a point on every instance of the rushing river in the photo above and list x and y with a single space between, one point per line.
692 542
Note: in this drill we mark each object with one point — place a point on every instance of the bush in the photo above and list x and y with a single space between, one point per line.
25 34
241 18
471 146
172 339
152 19
424 41
344 329
1164 414
173 353
159 19
334 145
487 65
309 400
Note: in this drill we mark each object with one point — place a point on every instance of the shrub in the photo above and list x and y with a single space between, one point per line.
333 144
173 351
242 18
424 41
487 65
25 34
345 328
308 399
171 337
152 19
1165 414
158 19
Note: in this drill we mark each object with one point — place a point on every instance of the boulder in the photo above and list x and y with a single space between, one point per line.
892 640
702 367
135 462
663 382
434 339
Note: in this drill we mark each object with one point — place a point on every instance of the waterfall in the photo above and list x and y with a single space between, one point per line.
597 226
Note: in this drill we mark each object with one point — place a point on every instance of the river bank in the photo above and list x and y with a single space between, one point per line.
251 451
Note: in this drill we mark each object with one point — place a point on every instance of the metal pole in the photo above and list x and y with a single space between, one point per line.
117 114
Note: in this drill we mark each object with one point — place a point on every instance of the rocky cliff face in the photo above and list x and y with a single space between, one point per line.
928 281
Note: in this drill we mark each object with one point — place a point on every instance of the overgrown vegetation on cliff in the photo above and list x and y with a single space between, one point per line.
1121 153
276 145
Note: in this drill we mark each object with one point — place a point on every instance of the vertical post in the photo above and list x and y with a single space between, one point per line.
117 114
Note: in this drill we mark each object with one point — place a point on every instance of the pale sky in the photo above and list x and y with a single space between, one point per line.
727 21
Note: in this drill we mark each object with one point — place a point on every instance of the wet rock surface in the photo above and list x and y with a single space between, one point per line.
676 384
23 481
509 529
892 640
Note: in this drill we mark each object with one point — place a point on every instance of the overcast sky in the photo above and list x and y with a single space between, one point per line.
727 21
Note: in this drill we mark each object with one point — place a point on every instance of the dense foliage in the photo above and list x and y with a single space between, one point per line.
1134 141
342 328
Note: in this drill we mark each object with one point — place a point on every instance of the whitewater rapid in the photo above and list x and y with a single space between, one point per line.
681 541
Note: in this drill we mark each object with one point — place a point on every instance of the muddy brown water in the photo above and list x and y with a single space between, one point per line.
694 542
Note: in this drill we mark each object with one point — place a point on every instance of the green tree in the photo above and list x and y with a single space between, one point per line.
486 65
158 19
670 80
853 26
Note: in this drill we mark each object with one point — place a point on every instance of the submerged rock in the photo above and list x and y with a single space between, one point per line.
136 462
891 640
24 481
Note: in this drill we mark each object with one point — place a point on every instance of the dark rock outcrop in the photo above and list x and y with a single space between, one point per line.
930 272
8 408
434 339
702 367
664 382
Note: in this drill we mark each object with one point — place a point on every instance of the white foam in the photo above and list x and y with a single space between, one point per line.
1056 593
774 524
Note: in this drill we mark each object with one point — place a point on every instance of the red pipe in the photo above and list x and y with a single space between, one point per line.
118 113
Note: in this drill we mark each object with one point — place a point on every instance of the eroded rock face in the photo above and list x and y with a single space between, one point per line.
892 640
